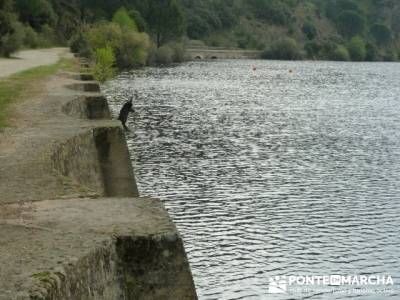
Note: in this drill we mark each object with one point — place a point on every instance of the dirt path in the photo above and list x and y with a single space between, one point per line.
28 59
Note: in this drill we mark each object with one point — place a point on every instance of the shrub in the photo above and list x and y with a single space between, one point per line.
334 51
357 49
31 38
133 49
79 44
285 49
179 53
11 31
104 64
123 19
102 35
167 54
161 56
341 54
12 41
47 37
130 48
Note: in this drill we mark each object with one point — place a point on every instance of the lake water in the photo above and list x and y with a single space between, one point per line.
273 173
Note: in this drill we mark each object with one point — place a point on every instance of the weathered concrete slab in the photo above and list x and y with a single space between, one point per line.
52 150
108 248
69 227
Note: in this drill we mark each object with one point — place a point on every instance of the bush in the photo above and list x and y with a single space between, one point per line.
341 54
104 64
163 55
11 31
133 49
79 44
333 51
31 38
179 52
285 49
47 37
357 49
167 54
130 48
123 19
104 34
12 41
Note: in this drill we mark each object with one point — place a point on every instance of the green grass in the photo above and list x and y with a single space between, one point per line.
24 84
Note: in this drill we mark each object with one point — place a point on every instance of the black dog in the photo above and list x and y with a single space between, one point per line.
125 110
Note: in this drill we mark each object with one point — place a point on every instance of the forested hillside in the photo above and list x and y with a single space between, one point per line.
284 29
319 29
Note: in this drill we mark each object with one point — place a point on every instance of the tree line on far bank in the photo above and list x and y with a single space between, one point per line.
355 30
133 33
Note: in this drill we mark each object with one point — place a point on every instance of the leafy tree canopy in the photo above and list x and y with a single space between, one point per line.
351 23
123 19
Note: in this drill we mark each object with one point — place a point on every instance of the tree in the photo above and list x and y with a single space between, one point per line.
335 7
139 20
11 31
372 52
36 13
357 49
122 18
68 18
197 27
274 11
309 30
381 34
312 49
165 20
351 23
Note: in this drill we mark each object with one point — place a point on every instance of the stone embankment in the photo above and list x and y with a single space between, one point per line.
72 223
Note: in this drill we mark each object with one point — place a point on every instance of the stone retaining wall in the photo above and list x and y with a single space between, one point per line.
99 241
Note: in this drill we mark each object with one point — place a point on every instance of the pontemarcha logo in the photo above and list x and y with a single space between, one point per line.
277 285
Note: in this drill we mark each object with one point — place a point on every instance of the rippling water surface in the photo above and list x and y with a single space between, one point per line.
271 173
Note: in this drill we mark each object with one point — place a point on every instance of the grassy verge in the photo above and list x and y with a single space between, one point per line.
26 83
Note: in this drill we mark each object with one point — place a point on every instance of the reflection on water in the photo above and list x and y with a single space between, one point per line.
272 173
